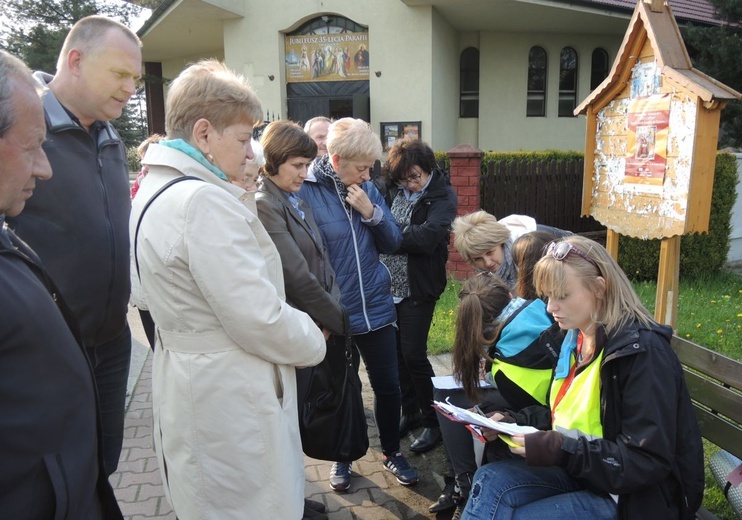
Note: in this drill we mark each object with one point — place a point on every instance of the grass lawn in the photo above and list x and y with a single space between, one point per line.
709 313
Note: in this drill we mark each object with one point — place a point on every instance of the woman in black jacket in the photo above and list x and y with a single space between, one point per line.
619 438
424 204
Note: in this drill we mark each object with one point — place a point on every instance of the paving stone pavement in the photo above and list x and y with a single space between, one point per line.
374 494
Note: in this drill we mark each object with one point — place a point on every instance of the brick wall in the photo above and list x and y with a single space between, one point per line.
465 171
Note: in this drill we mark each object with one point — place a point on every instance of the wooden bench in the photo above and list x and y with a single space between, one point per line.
715 386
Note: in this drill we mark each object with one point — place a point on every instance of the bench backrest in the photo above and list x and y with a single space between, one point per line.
715 385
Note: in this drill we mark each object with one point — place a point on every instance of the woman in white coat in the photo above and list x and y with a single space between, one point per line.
227 344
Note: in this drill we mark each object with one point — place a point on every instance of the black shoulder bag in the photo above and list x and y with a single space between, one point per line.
333 422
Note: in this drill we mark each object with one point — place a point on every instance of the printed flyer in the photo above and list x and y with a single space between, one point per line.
648 126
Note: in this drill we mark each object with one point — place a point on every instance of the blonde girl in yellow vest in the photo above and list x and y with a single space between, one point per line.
619 438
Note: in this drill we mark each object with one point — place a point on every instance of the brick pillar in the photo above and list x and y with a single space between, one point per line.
466 170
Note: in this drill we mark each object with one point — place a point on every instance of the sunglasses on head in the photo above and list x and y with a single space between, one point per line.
561 250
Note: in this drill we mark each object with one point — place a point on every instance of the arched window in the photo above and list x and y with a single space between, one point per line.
599 68
536 102
567 82
328 25
469 83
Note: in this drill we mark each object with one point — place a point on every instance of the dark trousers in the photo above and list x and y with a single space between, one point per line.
457 439
415 370
379 351
110 362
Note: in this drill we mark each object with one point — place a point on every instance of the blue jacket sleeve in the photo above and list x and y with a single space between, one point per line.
387 235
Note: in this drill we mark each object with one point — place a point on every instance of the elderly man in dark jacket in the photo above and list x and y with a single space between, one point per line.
49 444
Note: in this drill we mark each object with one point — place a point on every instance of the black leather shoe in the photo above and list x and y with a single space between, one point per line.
409 422
447 500
428 439
314 506
309 514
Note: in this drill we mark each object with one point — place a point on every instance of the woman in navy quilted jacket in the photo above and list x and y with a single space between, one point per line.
356 226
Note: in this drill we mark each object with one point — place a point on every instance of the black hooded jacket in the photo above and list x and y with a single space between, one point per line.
425 240
651 453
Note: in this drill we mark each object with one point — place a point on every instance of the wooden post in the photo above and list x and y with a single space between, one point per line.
611 244
666 305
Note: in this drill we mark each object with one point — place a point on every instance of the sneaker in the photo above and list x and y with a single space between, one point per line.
340 476
400 468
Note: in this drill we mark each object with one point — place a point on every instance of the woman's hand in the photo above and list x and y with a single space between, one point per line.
359 201
520 440
492 435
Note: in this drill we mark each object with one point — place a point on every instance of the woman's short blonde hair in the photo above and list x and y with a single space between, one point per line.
478 233
619 303
209 90
353 140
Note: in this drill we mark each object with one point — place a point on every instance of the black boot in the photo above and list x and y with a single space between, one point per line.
428 439
448 497
409 422
463 482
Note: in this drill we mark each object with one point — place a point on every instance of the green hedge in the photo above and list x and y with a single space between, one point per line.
542 157
442 158
700 254
508 157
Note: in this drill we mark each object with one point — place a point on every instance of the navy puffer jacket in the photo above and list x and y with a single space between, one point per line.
354 247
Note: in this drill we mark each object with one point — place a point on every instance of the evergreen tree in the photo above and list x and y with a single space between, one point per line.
717 51
36 30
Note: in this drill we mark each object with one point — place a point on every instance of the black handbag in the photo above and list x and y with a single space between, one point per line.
332 421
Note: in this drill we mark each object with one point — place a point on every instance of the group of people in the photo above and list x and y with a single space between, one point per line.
249 291
247 285
550 334
64 274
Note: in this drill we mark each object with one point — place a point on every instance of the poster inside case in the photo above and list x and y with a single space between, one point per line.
390 132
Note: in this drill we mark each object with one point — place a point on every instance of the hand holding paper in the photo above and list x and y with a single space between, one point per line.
465 416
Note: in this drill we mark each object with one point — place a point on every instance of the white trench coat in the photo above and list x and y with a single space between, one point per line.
223 379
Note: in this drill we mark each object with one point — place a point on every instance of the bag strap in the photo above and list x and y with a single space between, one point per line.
348 339
147 205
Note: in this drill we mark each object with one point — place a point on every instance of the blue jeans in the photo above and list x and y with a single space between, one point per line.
510 489
110 362
379 351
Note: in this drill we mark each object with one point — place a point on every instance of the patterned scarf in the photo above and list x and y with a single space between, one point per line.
507 270
323 170
397 264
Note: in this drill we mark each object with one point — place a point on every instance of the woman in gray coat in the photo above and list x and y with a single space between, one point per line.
308 276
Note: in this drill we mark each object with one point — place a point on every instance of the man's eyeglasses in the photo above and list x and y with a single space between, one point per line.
561 250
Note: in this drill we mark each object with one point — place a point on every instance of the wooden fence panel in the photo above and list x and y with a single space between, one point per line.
549 191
